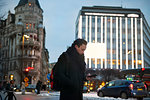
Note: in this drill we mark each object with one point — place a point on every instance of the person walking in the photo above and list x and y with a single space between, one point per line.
72 82
23 88
38 86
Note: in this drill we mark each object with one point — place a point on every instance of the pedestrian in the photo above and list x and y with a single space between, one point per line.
72 83
23 88
0 85
8 86
38 86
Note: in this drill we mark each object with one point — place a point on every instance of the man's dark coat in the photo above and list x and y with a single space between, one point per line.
72 75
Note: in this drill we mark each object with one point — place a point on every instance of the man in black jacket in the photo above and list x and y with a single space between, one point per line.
71 72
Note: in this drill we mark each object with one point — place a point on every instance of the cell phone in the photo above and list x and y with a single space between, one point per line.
92 75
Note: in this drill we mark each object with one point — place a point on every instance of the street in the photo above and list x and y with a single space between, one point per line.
55 96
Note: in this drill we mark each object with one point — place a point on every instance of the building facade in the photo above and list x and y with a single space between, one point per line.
118 38
22 44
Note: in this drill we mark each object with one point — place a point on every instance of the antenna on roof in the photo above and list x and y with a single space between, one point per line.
121 3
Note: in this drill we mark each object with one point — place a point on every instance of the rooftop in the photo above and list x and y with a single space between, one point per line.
23 2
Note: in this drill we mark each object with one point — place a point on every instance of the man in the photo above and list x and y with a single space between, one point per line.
23 88
71 72
38 86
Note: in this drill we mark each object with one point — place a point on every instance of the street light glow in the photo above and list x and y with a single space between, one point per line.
26 36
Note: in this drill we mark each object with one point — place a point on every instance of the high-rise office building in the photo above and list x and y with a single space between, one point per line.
118 38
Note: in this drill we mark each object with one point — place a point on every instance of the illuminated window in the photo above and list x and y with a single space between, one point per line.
27 26
118 62
29 4
124 62
93 41
129 62
108 61
98 63
108 51
11 77
93 62
31 52
114 62
30 25
139 62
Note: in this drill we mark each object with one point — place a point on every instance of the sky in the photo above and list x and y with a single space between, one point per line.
59 19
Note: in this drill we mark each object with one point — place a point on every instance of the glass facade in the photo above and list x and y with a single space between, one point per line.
126 38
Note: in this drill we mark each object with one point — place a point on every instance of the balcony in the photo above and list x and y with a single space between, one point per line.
30 43
30 30
35 57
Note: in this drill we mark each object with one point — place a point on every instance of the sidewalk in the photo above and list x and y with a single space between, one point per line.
25 93
86 96
42 93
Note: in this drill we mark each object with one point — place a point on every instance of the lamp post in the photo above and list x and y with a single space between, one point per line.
23 38
20 24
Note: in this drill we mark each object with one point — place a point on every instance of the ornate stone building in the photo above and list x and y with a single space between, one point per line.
22 44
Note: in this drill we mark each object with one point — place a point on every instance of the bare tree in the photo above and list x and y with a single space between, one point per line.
110 74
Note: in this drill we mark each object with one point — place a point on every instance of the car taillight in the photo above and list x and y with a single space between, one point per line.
137 81
145 86
131 86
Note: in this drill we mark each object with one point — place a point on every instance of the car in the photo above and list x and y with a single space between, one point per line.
85 89
17 88
124 89
31 88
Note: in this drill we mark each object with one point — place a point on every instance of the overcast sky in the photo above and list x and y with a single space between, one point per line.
60 16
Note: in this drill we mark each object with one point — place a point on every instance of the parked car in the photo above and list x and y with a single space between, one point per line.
85 89
31 88
123 89
17 88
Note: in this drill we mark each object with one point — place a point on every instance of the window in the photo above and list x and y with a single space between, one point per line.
112 83
98 63
29 4
28 25
87 63
93 62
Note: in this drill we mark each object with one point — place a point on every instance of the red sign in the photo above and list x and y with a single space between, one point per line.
30 67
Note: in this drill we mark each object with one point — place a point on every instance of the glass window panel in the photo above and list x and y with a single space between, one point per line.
98 63
93 63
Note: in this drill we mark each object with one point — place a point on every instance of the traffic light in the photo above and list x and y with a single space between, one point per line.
141 73
26 71
143 69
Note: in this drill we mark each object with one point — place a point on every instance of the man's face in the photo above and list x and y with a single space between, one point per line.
80 49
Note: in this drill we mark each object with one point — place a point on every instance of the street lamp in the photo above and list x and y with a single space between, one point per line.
23 36
20 25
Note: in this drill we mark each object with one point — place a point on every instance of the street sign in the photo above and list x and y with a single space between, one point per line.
48 76
26 84
26 79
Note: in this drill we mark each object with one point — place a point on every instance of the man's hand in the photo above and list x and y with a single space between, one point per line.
89 78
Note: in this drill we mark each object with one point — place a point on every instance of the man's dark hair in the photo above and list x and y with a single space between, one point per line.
79 42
